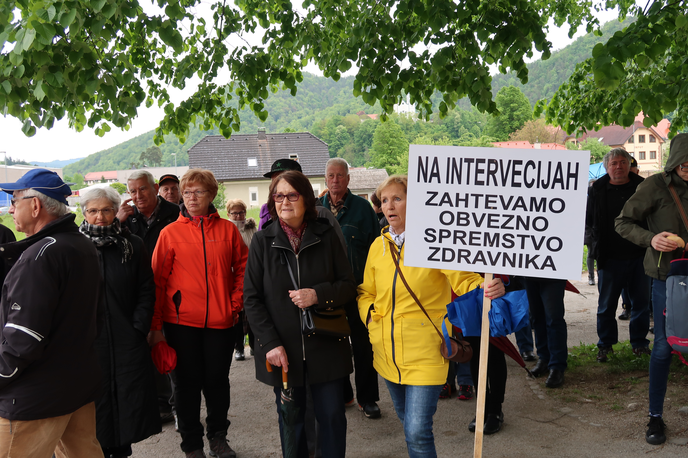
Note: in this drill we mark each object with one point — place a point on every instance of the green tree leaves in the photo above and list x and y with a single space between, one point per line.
641 68
97 62
514 112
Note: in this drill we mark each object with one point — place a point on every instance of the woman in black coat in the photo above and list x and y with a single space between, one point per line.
273 307
127 411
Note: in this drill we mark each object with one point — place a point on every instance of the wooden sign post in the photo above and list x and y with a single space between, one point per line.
482 375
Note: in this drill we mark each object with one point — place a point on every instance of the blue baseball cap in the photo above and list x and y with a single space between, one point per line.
42 180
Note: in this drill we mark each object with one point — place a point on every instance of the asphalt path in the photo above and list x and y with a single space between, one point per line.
536 423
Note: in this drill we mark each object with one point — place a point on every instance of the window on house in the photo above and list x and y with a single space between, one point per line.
631 153
641 138
252 162
641 156
653 139
653 154
294 157
316 189
630 140
253 195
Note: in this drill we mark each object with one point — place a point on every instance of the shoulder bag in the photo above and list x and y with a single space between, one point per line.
329 322
451 348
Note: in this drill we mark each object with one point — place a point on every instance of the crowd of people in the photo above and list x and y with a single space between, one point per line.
77 376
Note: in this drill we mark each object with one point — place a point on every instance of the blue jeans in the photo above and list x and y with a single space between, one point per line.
415 407
660 361
615 275
328 403
546 298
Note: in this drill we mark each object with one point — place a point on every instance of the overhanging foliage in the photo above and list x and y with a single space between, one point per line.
97 61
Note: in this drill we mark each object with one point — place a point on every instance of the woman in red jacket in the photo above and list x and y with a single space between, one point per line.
199 265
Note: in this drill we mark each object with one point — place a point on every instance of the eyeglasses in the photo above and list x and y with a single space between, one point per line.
13 201
103 211
683 167
292 196
199 194
237 213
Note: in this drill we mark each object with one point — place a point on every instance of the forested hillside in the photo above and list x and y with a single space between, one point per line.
328 109
545 76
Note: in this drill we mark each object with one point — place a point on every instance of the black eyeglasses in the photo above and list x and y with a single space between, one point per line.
292 197
14 200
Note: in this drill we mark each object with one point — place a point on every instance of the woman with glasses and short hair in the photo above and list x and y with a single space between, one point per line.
236 211
127 411
199 265
297 261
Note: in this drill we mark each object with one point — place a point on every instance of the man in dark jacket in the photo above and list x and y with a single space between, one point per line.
619 261
648 219
48 316
149 215
361 227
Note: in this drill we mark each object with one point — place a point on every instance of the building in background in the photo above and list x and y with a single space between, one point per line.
239 162
645 144
365 181
11 174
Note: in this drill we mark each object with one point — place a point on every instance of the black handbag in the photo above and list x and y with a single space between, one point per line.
328 322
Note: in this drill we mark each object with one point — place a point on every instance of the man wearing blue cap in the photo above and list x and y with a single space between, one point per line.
49 377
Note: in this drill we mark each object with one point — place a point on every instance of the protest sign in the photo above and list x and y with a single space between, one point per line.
499 210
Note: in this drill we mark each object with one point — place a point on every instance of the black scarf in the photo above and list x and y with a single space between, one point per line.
107 235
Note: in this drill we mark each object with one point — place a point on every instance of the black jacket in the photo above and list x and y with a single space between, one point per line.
127 411
136 223
601 223
49 323
6 236
275 320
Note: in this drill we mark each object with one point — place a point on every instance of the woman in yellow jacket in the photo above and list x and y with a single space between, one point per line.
406 347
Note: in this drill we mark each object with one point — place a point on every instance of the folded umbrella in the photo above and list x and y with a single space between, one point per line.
164 357
508 314
290 412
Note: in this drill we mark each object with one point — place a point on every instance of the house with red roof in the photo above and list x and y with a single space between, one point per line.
101 177
646 144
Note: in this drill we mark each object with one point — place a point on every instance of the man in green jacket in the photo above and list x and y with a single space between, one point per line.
361 227
654 205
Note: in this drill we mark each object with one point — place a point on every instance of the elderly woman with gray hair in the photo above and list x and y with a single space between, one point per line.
236 211
127 411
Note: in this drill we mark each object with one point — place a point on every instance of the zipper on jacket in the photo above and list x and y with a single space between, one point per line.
298 280
207 288
394 304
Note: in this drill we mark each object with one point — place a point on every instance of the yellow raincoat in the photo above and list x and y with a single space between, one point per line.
406 347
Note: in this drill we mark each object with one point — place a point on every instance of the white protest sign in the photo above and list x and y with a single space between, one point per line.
498 210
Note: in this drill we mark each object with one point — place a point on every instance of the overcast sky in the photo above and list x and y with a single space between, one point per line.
61 142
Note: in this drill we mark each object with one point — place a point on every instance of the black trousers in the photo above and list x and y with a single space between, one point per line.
239 333
365 375
328 403
496 375
203 360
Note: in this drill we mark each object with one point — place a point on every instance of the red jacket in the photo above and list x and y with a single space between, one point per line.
199 273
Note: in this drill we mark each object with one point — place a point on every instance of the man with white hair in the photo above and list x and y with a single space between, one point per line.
49 375
147 217
619 261
361 227
149 213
